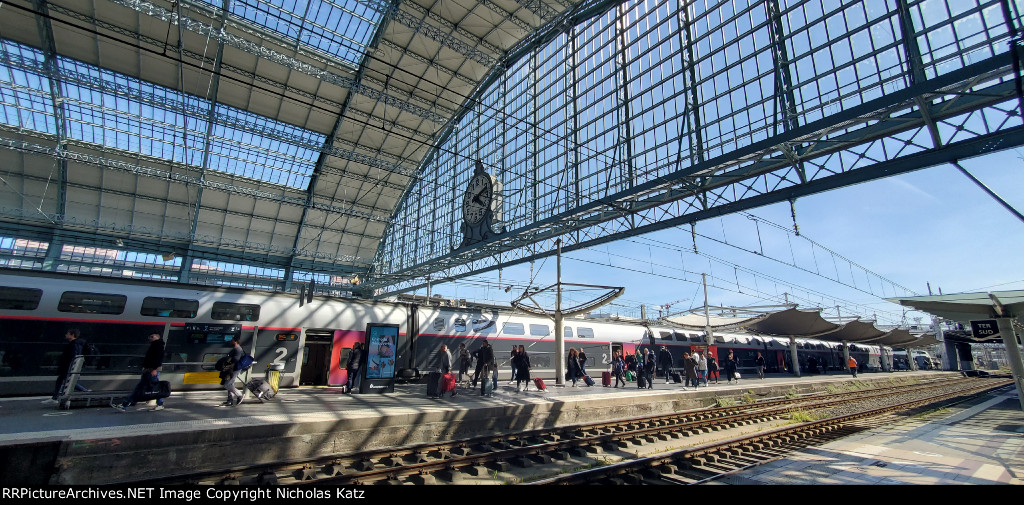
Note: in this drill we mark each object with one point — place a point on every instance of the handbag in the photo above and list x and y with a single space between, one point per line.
736 375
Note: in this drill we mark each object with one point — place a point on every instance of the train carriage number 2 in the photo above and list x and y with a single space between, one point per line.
282 353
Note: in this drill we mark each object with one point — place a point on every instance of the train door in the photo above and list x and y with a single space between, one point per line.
316 358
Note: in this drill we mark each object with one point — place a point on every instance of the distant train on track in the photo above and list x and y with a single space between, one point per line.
310 340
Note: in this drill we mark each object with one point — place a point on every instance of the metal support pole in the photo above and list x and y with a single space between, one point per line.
1013 354
991 193
559 333
793 356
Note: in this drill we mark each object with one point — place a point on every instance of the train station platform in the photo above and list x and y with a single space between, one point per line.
40 445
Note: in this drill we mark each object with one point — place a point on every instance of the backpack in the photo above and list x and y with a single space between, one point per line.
244 363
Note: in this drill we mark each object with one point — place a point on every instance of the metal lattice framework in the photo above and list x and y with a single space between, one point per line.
265 143
625 118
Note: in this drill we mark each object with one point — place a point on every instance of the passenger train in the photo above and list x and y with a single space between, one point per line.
310 339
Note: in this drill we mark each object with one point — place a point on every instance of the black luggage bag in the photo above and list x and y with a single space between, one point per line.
260 388
641 381
676 378
162 389
433 385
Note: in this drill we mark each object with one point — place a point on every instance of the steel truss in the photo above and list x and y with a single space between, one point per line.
835 151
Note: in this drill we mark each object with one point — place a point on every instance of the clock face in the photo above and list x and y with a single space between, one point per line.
477 199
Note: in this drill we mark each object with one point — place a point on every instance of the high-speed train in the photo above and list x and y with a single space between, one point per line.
310 340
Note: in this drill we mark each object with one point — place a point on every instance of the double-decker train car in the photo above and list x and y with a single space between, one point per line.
309 340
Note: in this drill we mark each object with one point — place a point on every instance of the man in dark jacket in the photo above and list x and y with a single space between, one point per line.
484 360
74 347
151 365
355 358
649 367
665 363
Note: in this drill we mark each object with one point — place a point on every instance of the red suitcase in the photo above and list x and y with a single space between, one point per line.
606 379
537 381
447 382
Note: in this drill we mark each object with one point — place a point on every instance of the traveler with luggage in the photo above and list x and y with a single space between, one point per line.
229 373
74 347
150 379
573 372
730 368
446 382
759 364
617 369
691 370
650 365
484 359
521 368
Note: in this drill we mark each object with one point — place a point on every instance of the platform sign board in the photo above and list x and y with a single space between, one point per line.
379 369
985 329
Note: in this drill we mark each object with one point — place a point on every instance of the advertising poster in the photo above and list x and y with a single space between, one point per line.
380 353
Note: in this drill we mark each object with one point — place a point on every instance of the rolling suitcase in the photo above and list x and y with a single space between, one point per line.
486 387
641 381
433 385
588 380
606 379
676 378
537 381
260 388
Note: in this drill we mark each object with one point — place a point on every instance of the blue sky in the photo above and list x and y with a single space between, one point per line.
930 226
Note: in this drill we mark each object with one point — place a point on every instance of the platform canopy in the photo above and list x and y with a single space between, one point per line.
794 323
964 307
698 322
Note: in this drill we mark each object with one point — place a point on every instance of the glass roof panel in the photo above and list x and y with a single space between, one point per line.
341 28
121 112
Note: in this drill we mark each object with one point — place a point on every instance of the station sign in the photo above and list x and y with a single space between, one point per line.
985 329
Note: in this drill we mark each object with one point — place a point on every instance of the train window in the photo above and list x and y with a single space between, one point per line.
439 324
567 332
460 324
666 335
582 332
169 307
235 311
513 329
91 303
540 330
483 325
12 298
695 338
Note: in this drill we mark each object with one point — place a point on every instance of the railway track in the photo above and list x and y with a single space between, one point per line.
709 436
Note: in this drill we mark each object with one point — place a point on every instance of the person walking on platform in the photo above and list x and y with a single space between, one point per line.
730 367
702 368
583 362
512 364
759 364
229 374
690 369
650 365
573 371
446 368
665 363
521 369
74 347
852 363
464 361
712 368
484 361
352 368
617 369
151 365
